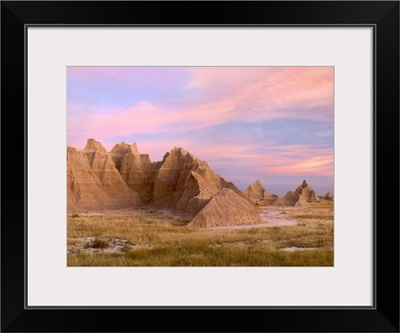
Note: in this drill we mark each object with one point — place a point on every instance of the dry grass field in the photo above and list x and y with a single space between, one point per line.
145 237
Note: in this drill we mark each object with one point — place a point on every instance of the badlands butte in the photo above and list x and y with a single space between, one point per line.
181 185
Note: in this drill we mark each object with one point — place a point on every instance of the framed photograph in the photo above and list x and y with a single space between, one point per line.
179 159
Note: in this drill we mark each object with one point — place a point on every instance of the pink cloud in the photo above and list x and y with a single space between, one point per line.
315 165
300 160
228 94
282 160
261 91
142 118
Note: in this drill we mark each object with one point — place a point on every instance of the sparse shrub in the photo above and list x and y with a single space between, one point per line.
100 243
75 215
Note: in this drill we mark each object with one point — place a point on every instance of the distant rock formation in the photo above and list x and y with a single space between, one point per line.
226 208
93 182
292 198
298 198
257 194
307 192
328 196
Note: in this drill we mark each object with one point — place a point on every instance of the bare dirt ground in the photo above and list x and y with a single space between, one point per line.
295 248
290 216
101 245
271 215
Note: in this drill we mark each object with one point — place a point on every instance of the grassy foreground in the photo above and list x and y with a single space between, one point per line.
154 239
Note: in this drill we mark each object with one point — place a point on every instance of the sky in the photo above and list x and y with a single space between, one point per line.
274 124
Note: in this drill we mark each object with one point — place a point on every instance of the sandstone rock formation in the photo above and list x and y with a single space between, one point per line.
136 169
292 198
226 208
120 150
92 146
328 196
257 194
307 192
185 184
181 183
124 178
93 182
298 198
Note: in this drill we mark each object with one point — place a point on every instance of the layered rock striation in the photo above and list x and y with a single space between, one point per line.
226 208
136 169
93 182
185 184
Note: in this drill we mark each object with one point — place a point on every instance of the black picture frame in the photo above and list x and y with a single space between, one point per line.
383 316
